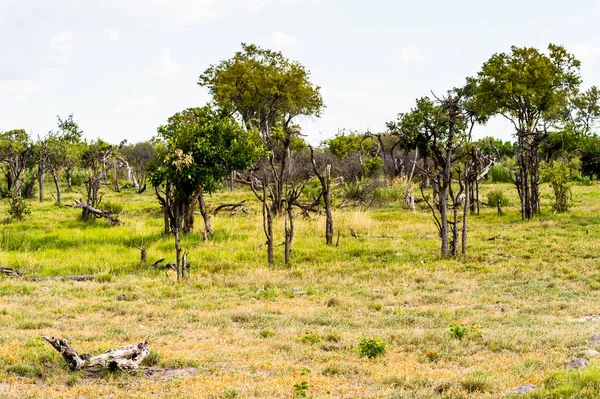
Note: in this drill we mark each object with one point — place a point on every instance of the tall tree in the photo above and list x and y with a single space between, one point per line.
195 150
267 92
532 90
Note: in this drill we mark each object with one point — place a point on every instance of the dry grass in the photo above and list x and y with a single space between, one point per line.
244 325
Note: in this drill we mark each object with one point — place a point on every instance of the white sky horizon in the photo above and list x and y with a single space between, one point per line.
123 67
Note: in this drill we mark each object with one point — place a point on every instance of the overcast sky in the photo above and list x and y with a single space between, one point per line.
122 67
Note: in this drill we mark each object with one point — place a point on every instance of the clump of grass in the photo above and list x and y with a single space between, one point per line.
25 370
477 381
104 278
580 383
371 348
494 196
266 333
152 359
309 338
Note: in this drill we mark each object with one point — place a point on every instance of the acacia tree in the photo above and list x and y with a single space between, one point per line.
267 92
16 152
194 152
532 90
440 129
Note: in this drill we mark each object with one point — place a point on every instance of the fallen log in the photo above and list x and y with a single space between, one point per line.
356 235
126 358
231 208
99 213
16 273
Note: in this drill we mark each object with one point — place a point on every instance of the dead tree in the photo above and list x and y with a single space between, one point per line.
233 208
98 213
325 180
292 195
208 231
126 358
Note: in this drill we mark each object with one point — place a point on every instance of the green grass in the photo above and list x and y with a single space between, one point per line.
250 333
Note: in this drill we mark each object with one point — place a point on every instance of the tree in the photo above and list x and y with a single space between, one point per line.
532 90
194 152
64 150
16 152
267 92
440 130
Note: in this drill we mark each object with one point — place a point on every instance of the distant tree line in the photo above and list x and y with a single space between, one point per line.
249 135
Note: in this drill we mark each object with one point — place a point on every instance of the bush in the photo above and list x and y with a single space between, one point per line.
500 174
558 175
494 196
112 207
18 208
77 179
371 348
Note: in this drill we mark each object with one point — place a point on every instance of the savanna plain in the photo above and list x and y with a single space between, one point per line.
509 313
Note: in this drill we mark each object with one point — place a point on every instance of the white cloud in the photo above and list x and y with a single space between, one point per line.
410 54
127 102
282 40
185 12
59 49
582 50
112 34
168 68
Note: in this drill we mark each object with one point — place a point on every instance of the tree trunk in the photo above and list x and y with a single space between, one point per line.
178 221
289 231
57 185
41 178
208 231
466 207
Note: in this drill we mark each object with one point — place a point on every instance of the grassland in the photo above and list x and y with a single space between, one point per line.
255 331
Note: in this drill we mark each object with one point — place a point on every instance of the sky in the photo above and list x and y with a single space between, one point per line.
122 67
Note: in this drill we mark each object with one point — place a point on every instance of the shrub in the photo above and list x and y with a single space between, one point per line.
500 174
558 175
300 389
458 331
77 179
371 348
112 207
494 196
18 208
309 338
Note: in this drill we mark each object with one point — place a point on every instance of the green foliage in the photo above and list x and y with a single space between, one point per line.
77 179
371 348
25 370
495 195
558 175
581 383
373 166
152 359
500 174
309 338
527 85
198 147
111 206
265 88
104 278
457 331
18 207
344 145
301 389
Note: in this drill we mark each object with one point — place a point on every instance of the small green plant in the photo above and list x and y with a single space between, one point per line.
558 175
18 208
300 389
266 333
371 348
457 331
494 196
309 338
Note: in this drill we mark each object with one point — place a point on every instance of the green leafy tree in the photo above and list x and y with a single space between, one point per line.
16 153
268 92
532 90
194 152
